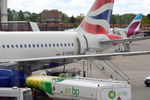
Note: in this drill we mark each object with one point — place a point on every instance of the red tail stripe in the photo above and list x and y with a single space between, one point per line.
93 29
99 3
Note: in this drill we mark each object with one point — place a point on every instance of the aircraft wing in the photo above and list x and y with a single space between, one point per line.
73 57
124 40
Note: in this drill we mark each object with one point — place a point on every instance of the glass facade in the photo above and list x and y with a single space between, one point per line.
16 26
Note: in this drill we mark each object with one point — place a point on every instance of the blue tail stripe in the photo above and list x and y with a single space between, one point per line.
106 15
138 17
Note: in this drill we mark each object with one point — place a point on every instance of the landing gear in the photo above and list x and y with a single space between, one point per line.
123 47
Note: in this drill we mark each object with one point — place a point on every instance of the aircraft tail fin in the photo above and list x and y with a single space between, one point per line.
134 25
97 21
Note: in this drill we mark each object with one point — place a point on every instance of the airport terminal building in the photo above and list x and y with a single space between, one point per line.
52 21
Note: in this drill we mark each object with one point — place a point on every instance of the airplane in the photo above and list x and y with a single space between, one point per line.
132 29
32 49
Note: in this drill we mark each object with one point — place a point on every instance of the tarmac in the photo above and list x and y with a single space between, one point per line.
135 67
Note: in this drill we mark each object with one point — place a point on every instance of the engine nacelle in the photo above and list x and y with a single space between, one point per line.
10 78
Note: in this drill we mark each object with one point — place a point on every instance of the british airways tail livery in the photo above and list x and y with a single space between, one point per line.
98 18
36 48
95 26
134 26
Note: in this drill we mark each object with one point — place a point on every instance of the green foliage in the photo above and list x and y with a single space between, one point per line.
10 15
65 18
145 20
34 17
127 18
122 19
72 19
148 15
23 16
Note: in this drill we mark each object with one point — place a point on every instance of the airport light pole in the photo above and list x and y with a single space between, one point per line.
0 15
0 21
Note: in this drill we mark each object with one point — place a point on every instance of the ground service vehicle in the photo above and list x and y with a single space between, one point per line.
11 78
15 93
147 81
79 88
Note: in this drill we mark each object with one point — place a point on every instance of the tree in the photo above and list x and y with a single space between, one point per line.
21 16
15 15
148 15
72 19
122 19
145 20
10 15
113 20
65 18
28 16
35 17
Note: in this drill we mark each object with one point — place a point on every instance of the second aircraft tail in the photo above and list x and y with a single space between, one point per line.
134 25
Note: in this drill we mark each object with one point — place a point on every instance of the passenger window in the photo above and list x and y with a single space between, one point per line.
57 45
41 45
25 46
20 45
33 45
53 45
29 46
61 44
16 46
65 45
45 45
37 45
3 46
49 45
12 46
69 44
7 46
72 44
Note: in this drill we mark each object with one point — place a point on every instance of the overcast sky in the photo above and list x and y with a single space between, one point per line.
76 7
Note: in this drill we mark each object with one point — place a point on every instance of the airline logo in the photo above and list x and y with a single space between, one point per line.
117 95
71 91
98 19
134 25
138 17
112 94
132 28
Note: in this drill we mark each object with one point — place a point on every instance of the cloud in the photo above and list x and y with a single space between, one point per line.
76 7
132 6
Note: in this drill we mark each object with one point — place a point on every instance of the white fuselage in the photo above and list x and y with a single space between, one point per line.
23 45
36 44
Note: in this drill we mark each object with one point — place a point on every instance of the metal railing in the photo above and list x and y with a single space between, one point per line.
109 68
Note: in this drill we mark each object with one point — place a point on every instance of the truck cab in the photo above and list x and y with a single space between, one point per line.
15 94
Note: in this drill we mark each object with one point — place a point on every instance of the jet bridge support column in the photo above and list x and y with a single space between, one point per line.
123 47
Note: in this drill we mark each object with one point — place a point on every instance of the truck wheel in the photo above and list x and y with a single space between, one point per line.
147 85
